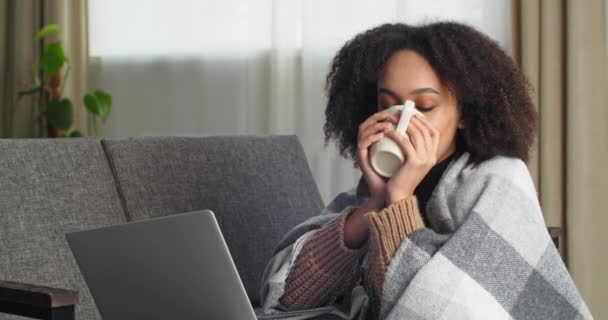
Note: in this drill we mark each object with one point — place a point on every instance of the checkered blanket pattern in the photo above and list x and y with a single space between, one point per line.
486 254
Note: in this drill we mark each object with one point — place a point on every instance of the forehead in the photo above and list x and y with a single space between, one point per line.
407 70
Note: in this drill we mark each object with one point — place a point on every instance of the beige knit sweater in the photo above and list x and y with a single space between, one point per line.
321 267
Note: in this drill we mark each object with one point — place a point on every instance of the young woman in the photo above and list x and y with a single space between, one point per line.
457 231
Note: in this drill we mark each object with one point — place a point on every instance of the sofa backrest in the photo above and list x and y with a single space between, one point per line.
49 187
259 187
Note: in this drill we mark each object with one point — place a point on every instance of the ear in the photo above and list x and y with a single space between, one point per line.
461 124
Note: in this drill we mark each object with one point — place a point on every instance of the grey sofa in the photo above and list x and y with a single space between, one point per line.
258 186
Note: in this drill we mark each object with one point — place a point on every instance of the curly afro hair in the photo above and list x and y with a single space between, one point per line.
493 95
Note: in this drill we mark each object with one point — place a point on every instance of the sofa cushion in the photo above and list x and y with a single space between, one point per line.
259 187
51 187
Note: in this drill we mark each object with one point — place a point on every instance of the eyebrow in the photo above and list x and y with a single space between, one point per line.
416 91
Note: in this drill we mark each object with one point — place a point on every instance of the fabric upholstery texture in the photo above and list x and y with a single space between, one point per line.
259 187
49 188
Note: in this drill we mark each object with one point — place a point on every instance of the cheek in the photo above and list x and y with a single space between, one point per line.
447 129
440 123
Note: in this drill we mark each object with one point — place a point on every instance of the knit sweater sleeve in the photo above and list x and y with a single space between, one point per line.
388 227
322 266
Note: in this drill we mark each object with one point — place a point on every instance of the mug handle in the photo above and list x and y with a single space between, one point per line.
406 114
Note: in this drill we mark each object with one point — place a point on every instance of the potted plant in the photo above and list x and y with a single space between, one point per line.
57 110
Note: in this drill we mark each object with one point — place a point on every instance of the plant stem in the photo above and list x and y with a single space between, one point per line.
43 99
28 92
95 127
65 77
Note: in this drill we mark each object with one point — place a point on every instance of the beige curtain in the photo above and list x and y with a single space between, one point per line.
561 46
19 22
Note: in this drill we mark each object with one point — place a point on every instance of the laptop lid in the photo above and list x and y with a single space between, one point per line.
174 267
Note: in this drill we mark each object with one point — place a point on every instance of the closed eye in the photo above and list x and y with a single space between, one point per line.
425 109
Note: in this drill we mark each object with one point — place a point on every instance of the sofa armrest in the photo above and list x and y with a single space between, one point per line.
37 302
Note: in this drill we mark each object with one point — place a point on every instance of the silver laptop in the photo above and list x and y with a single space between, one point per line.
175 267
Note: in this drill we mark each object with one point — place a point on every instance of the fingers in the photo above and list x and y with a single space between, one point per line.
416 135
363 155
378 127
432 130
431 136
403 141
367 141
421 140
371 129
378 117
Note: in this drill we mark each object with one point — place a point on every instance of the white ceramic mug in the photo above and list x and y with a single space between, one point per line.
386 156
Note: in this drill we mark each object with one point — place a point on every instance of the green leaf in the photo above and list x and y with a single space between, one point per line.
104 104
98 103
46 31
90 102
60 113
52 58
75 134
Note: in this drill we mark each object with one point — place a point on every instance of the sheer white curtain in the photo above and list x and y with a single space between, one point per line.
201 67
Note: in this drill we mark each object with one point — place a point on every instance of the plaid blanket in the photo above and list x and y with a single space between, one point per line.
486 254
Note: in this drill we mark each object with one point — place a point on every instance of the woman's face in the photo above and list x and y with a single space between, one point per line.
408 76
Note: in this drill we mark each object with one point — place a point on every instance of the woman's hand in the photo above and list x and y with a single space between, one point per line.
370 131
419 147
